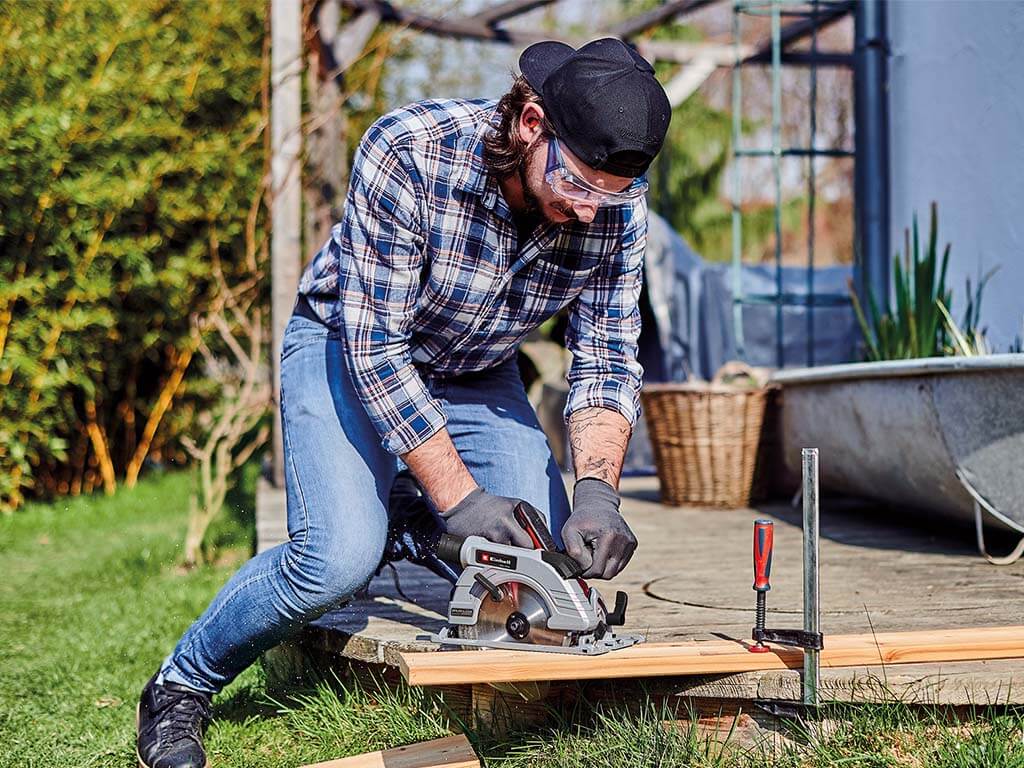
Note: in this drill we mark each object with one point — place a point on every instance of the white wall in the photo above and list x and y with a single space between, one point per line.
957 128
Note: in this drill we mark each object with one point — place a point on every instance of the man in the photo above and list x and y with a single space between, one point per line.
467 224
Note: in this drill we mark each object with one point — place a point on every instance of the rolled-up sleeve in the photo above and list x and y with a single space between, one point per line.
604 326
381 251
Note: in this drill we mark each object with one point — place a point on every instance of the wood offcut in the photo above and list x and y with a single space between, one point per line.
449 752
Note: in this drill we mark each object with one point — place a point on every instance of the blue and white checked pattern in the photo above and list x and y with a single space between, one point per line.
424 277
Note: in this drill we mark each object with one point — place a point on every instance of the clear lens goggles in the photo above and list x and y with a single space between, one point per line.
576 189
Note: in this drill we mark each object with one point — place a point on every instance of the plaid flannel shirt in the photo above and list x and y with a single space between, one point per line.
424 276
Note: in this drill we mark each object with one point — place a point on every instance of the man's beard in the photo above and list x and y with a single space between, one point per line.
531 205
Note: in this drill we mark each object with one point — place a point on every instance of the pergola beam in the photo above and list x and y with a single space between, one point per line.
641 23
465 28
484 26
346 45
507 10
722 54
689 79
798 30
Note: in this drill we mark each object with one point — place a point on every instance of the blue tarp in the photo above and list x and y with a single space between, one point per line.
689 329
691 303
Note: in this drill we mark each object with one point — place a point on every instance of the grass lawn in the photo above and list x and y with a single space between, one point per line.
92 598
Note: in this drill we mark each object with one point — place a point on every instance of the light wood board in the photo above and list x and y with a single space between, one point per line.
450 752
712 657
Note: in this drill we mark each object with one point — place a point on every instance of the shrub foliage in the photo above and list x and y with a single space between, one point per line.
132 136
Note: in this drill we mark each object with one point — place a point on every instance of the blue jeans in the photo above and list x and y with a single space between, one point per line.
337 479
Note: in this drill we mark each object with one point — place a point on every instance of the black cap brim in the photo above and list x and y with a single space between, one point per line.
540 59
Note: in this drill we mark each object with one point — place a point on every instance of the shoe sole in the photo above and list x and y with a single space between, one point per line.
142 763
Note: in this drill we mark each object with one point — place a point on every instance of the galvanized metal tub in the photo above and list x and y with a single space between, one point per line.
942 434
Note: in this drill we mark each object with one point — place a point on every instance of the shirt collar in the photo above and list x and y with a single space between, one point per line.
472 176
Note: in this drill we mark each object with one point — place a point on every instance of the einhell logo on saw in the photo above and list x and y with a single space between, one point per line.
496 559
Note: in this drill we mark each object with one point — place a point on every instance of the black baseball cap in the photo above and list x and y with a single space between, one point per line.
603 100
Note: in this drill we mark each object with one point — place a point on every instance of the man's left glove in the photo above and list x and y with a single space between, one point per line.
595 534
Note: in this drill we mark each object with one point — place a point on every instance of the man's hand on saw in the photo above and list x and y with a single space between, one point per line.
595 534
482 514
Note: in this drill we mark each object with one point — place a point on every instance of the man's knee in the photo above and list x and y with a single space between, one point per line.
329 569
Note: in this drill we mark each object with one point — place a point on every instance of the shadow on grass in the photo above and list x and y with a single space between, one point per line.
255 701
243 704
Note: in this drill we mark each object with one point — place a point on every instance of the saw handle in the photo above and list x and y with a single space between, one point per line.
532 521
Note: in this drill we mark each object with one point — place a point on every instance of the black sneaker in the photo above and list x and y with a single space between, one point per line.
171 720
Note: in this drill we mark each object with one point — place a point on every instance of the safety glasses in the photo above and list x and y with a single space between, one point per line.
575 188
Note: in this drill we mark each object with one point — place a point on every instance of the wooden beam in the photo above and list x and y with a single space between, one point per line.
346 46
465 28
799 30
713 657
483 26
285 187
722 54
450 752
644 21
689 79
507 10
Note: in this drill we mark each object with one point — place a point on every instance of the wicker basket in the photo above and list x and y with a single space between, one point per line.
705 439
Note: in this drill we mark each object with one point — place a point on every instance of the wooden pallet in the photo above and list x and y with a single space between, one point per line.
714 657
881 572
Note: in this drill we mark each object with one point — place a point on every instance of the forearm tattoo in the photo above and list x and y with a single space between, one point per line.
598 437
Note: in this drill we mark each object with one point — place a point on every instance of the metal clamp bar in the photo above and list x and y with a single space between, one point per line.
809 462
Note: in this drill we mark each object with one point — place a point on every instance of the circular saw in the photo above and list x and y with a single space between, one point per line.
526 599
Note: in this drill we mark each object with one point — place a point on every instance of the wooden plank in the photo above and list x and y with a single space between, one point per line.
450 752
716 657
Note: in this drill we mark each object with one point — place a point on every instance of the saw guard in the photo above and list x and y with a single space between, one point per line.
520 602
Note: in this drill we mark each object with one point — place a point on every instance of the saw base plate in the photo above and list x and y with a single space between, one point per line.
607 643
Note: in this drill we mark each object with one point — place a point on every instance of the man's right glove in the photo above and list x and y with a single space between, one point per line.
595 534
482 514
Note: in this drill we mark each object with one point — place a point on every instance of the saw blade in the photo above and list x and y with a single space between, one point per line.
502 620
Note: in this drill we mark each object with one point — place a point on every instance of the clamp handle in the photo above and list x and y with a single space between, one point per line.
763 544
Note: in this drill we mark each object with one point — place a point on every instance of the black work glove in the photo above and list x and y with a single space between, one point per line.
481 514
595 534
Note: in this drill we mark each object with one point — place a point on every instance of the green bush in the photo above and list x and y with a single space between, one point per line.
132 152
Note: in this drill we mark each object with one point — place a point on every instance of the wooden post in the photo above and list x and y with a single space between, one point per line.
286 189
